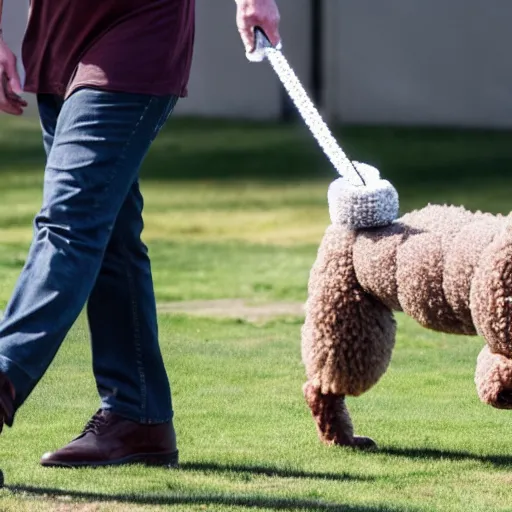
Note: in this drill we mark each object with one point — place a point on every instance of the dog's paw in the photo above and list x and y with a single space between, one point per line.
355 443
493 379
364 443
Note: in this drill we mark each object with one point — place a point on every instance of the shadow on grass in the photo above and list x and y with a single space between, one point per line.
433 453
206 499
202 149
409 157
212 467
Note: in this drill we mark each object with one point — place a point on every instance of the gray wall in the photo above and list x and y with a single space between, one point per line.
417 62
14 19
223 82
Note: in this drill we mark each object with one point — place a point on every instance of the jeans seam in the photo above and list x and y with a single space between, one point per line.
136 334
122 154
165 114
131 289
133 300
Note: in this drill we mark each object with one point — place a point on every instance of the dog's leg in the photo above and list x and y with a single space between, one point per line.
333 422
493 379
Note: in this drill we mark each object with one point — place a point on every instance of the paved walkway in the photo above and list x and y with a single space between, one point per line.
235 308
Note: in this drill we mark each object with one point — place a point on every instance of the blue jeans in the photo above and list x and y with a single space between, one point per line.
87 250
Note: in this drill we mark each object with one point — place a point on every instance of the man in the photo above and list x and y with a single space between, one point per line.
107 75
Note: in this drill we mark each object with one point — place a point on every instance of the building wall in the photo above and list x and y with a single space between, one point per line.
417 62
407 62
223 82
14 19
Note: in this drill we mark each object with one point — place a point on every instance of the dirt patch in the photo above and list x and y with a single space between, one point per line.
235 308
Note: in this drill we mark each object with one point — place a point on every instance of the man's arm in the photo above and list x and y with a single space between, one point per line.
257 13
10 85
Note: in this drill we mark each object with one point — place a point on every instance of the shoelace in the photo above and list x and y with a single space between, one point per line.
95 423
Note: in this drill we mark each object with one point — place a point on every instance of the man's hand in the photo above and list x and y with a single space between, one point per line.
257 13
10 86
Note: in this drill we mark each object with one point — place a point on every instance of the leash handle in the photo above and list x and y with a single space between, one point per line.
261 45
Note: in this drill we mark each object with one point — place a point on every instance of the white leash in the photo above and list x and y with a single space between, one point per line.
358 199
319 129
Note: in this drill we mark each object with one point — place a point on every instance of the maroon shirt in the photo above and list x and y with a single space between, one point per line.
139 46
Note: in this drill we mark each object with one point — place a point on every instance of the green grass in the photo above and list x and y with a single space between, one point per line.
237 211
247 438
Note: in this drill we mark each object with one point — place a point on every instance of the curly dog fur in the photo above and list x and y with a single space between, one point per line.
446 267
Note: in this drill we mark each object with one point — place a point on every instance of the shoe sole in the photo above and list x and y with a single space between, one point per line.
169 460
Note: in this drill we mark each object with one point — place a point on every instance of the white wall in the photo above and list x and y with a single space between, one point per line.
14 19
223 82
422 62
418 62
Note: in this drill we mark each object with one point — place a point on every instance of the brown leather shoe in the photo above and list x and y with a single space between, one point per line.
110 439
7 395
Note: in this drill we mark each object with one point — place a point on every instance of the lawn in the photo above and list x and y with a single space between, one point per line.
236 210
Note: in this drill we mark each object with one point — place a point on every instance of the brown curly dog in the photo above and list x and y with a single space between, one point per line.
448 268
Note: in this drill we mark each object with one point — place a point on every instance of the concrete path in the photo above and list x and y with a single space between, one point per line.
235 308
